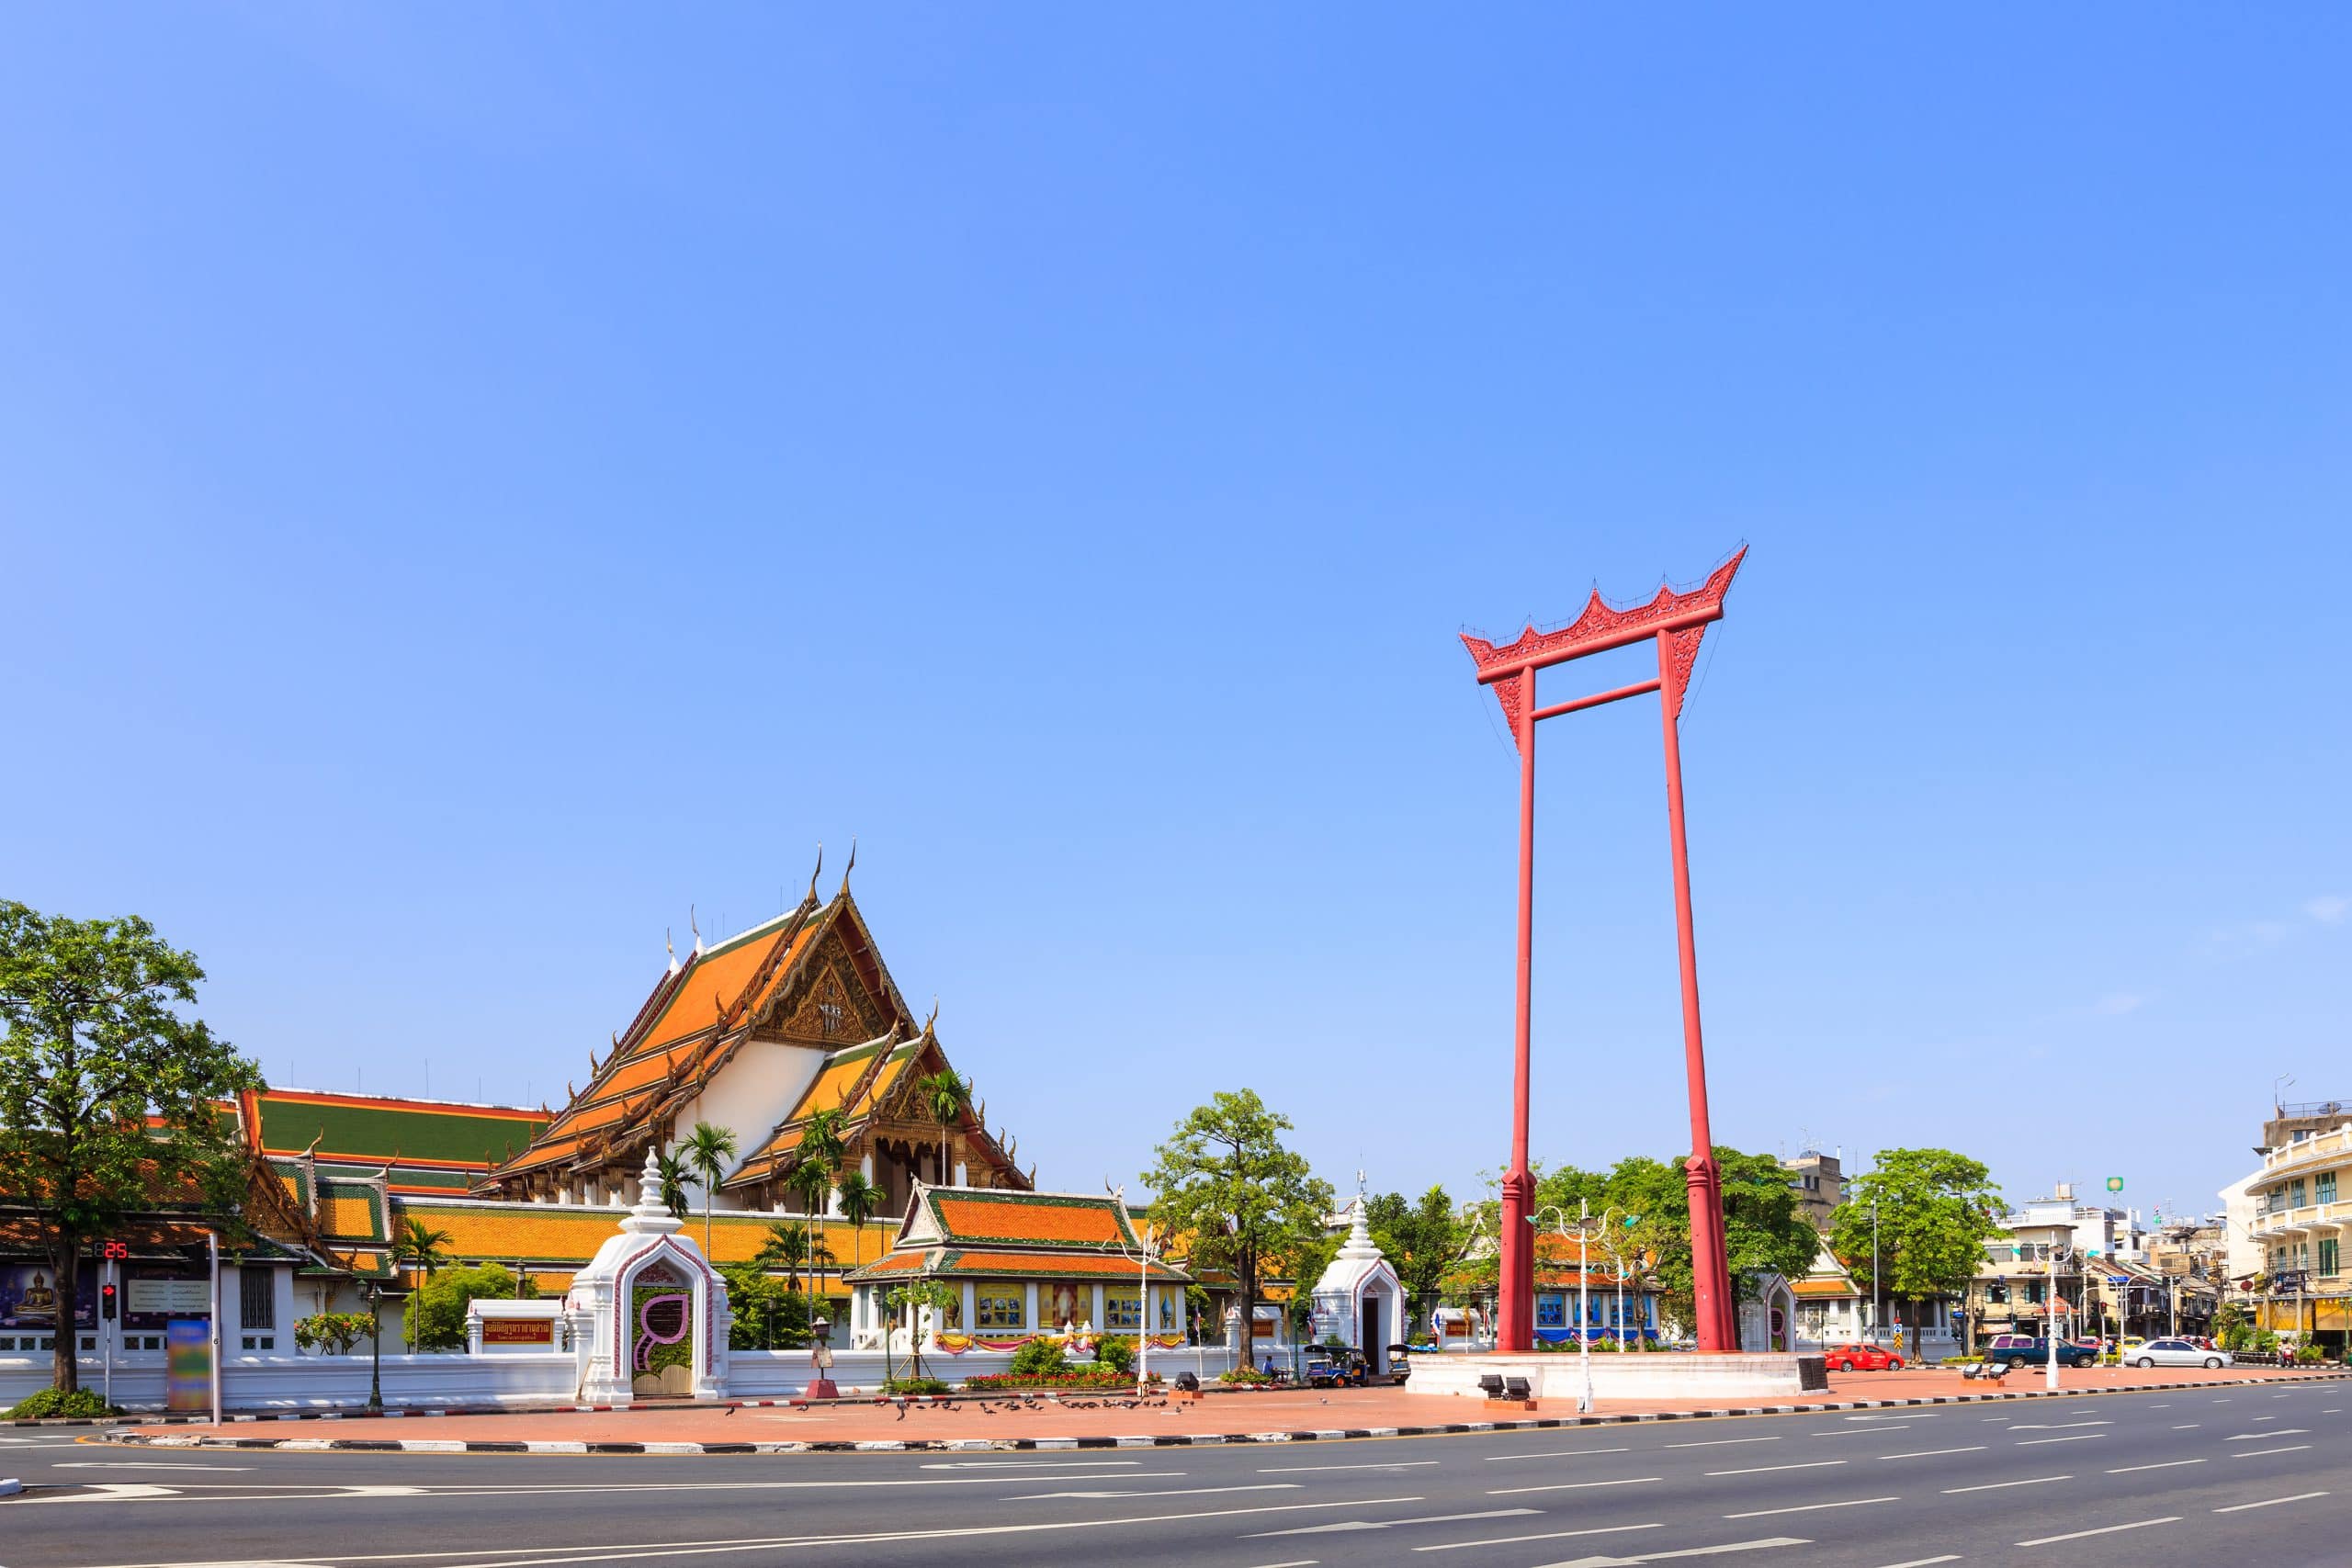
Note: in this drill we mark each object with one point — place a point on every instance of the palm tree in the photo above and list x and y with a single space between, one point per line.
813 1182
859 1197
946 1094
418 1245
673 1176
787 1248
708 1149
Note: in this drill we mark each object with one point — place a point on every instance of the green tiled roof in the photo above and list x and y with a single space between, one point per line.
381 1131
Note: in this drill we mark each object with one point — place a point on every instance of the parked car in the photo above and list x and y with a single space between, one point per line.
2175 1353
1859 1358
2025 1349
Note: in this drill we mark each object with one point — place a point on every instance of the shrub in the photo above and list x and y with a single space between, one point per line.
1081 1377
81 1404
1249 1376
913 1385
1039 1358
1115 1356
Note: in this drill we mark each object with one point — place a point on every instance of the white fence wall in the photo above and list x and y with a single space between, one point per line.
340 1383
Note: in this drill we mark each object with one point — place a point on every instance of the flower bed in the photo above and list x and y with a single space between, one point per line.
999 1383
1250 1377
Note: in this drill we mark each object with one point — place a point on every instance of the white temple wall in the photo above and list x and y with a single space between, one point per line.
749 1097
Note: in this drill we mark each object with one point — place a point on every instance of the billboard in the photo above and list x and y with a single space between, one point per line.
29 1297
187 1377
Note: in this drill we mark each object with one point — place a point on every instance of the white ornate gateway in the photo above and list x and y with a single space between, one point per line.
1359 1298
649 1315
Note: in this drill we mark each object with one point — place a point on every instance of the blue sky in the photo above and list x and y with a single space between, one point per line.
478 481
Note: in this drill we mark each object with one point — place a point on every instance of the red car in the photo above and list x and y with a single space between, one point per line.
1862 1358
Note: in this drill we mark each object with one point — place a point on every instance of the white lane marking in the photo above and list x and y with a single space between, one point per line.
142 1464
1348 1524
602 1552
2188 1426
114 1491
1303 1469
1567 1486
2270 1502
2168 1465
2103 1530
1173 1492
2338 1410
295 1494
2166 1406
2265 1418
1548 1535
1811 1507
2257 1436
2055 1425
1031 1463
1687 1552
1294 1562
2217 1401
2078 1437
1997 1486
1924 1561
1927 1453
1552 1453
1764 1469
2257 1453
1722 1442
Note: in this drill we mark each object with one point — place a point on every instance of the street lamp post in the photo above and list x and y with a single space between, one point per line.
1585 1224
375 1348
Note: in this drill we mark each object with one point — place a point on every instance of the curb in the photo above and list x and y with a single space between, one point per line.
1157 1440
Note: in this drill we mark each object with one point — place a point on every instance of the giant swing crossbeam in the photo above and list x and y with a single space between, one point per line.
1675 623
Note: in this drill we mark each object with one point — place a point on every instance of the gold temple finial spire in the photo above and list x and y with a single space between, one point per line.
850 867
671 948
818 873
695 926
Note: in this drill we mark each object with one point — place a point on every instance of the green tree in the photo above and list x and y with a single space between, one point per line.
1936 1212
709 1150
436 1311
766 1316
1423 1239
416 1246
859 1198
674 1178
110 1098
936 1294
1227 1180
786 1247
946 1095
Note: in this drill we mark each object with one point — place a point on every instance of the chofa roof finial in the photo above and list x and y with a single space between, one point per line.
671 948
695 926
818 873
850 867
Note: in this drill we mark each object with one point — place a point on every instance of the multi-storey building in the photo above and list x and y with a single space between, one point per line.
1820 1182
2295 1211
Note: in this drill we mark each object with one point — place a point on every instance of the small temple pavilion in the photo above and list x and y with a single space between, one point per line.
1020 1265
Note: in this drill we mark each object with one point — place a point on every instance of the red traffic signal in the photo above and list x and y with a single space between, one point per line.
116 1251
106 1304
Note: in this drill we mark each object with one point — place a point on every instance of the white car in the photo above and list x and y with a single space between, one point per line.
2173 1353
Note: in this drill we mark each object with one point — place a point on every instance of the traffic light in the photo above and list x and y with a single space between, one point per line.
116 1251
106 1303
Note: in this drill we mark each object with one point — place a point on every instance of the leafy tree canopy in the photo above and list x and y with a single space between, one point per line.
1936 1210
1424 1238
1226 1179
436 1314
108 1096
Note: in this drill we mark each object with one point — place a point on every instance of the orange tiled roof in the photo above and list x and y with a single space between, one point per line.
554 1230
687 1029
1032 1219
1054 1263
1814 1289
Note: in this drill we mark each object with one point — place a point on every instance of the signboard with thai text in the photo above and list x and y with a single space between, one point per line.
167 1298
518 1331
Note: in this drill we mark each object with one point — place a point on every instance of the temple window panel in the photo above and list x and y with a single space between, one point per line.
1122 1311
1001 1306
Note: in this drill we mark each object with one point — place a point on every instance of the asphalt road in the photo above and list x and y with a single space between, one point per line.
2191 1476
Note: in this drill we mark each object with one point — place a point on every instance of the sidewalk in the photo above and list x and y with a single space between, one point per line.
1093 1422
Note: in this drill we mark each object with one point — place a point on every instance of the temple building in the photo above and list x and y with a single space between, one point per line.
1019 1265
756 1035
